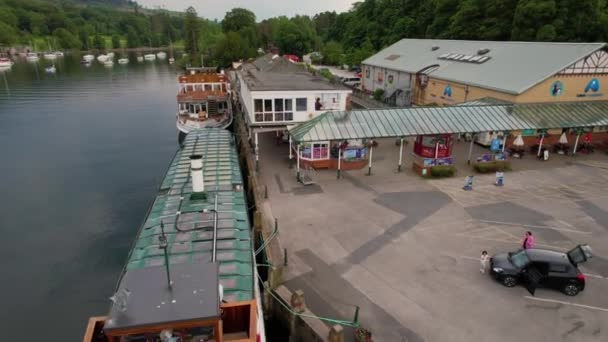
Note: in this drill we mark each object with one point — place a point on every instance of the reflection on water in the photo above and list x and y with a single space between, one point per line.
83 151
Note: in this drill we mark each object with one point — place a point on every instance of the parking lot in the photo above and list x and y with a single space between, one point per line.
406 250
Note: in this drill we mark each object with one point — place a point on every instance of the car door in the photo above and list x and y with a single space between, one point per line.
558 275
579 254
534 275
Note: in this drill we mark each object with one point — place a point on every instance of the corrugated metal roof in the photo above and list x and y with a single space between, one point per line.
513 67
401 122
190 233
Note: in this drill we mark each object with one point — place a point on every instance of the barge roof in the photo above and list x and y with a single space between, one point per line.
188 223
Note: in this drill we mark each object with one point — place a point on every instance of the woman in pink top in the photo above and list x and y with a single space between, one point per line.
528 240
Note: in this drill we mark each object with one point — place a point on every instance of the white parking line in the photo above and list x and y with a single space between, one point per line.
567 303
594 276
534 226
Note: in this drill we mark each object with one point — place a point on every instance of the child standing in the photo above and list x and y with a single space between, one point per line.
485 258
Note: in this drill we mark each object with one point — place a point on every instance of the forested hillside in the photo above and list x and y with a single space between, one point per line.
345 37
85 24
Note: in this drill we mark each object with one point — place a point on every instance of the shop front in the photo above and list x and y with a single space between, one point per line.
346 155
432 150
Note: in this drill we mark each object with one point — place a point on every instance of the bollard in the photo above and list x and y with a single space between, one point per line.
266 191
284 256
499 178
468 183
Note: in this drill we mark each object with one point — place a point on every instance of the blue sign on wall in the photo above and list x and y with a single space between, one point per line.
593 85
447 91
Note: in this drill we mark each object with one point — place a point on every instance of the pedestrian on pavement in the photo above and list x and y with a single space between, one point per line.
485 258
528 240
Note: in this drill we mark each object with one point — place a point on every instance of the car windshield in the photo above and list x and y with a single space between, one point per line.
519 259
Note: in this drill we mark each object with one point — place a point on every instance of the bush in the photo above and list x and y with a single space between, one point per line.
489 167
378 94
442 171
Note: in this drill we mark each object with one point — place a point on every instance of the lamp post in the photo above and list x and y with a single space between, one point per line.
163 244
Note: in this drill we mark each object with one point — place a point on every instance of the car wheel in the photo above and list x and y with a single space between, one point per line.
571 289
509 281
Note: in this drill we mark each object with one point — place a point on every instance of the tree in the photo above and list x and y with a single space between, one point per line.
192 32
98 42
237 19
332 53
230 48
530 16
8 35
132 38
115 41
66 39
83 36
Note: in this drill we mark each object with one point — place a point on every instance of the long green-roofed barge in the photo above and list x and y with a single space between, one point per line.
198 223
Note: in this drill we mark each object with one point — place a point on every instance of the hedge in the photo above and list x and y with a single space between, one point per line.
489 167
442 171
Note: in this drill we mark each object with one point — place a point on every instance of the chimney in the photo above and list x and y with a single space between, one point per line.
196 167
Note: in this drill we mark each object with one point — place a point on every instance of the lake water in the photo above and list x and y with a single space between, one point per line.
83 152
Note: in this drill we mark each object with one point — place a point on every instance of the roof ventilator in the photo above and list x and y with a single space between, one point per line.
483 51
198 182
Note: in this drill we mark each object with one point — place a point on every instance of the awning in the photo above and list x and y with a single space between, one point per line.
403 122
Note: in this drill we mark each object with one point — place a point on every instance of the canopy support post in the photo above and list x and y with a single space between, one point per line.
298 162
470 151
371 154
576 144
257 153
290 153
540 144
400 155
339 162
504 141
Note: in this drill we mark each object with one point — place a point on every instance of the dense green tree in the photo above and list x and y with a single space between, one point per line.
8 35
530 16
98 42
115 41
83 36
332 53
237 19
132 38
192 33
66 39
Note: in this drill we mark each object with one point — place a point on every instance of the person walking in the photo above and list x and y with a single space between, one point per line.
528 240
484 259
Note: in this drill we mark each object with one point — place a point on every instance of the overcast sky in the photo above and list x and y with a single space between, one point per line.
216 9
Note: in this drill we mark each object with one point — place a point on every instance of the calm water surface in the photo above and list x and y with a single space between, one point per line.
82 153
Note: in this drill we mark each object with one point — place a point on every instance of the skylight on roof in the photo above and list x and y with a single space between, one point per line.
392 57
464 58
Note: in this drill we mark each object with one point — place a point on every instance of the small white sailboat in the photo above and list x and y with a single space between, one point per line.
102 58
140 58
171 60
161 55
150 57
32 57
51 56
110 54
5 62
109 63
51 69
123 61
58 53
88 58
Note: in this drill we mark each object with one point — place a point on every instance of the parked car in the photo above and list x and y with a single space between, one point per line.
542 268
351 81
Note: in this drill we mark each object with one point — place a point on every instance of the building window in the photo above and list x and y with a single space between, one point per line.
288 116
301 104
316 151
278 116
208 87
278 105
288 105
267 105
258 106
